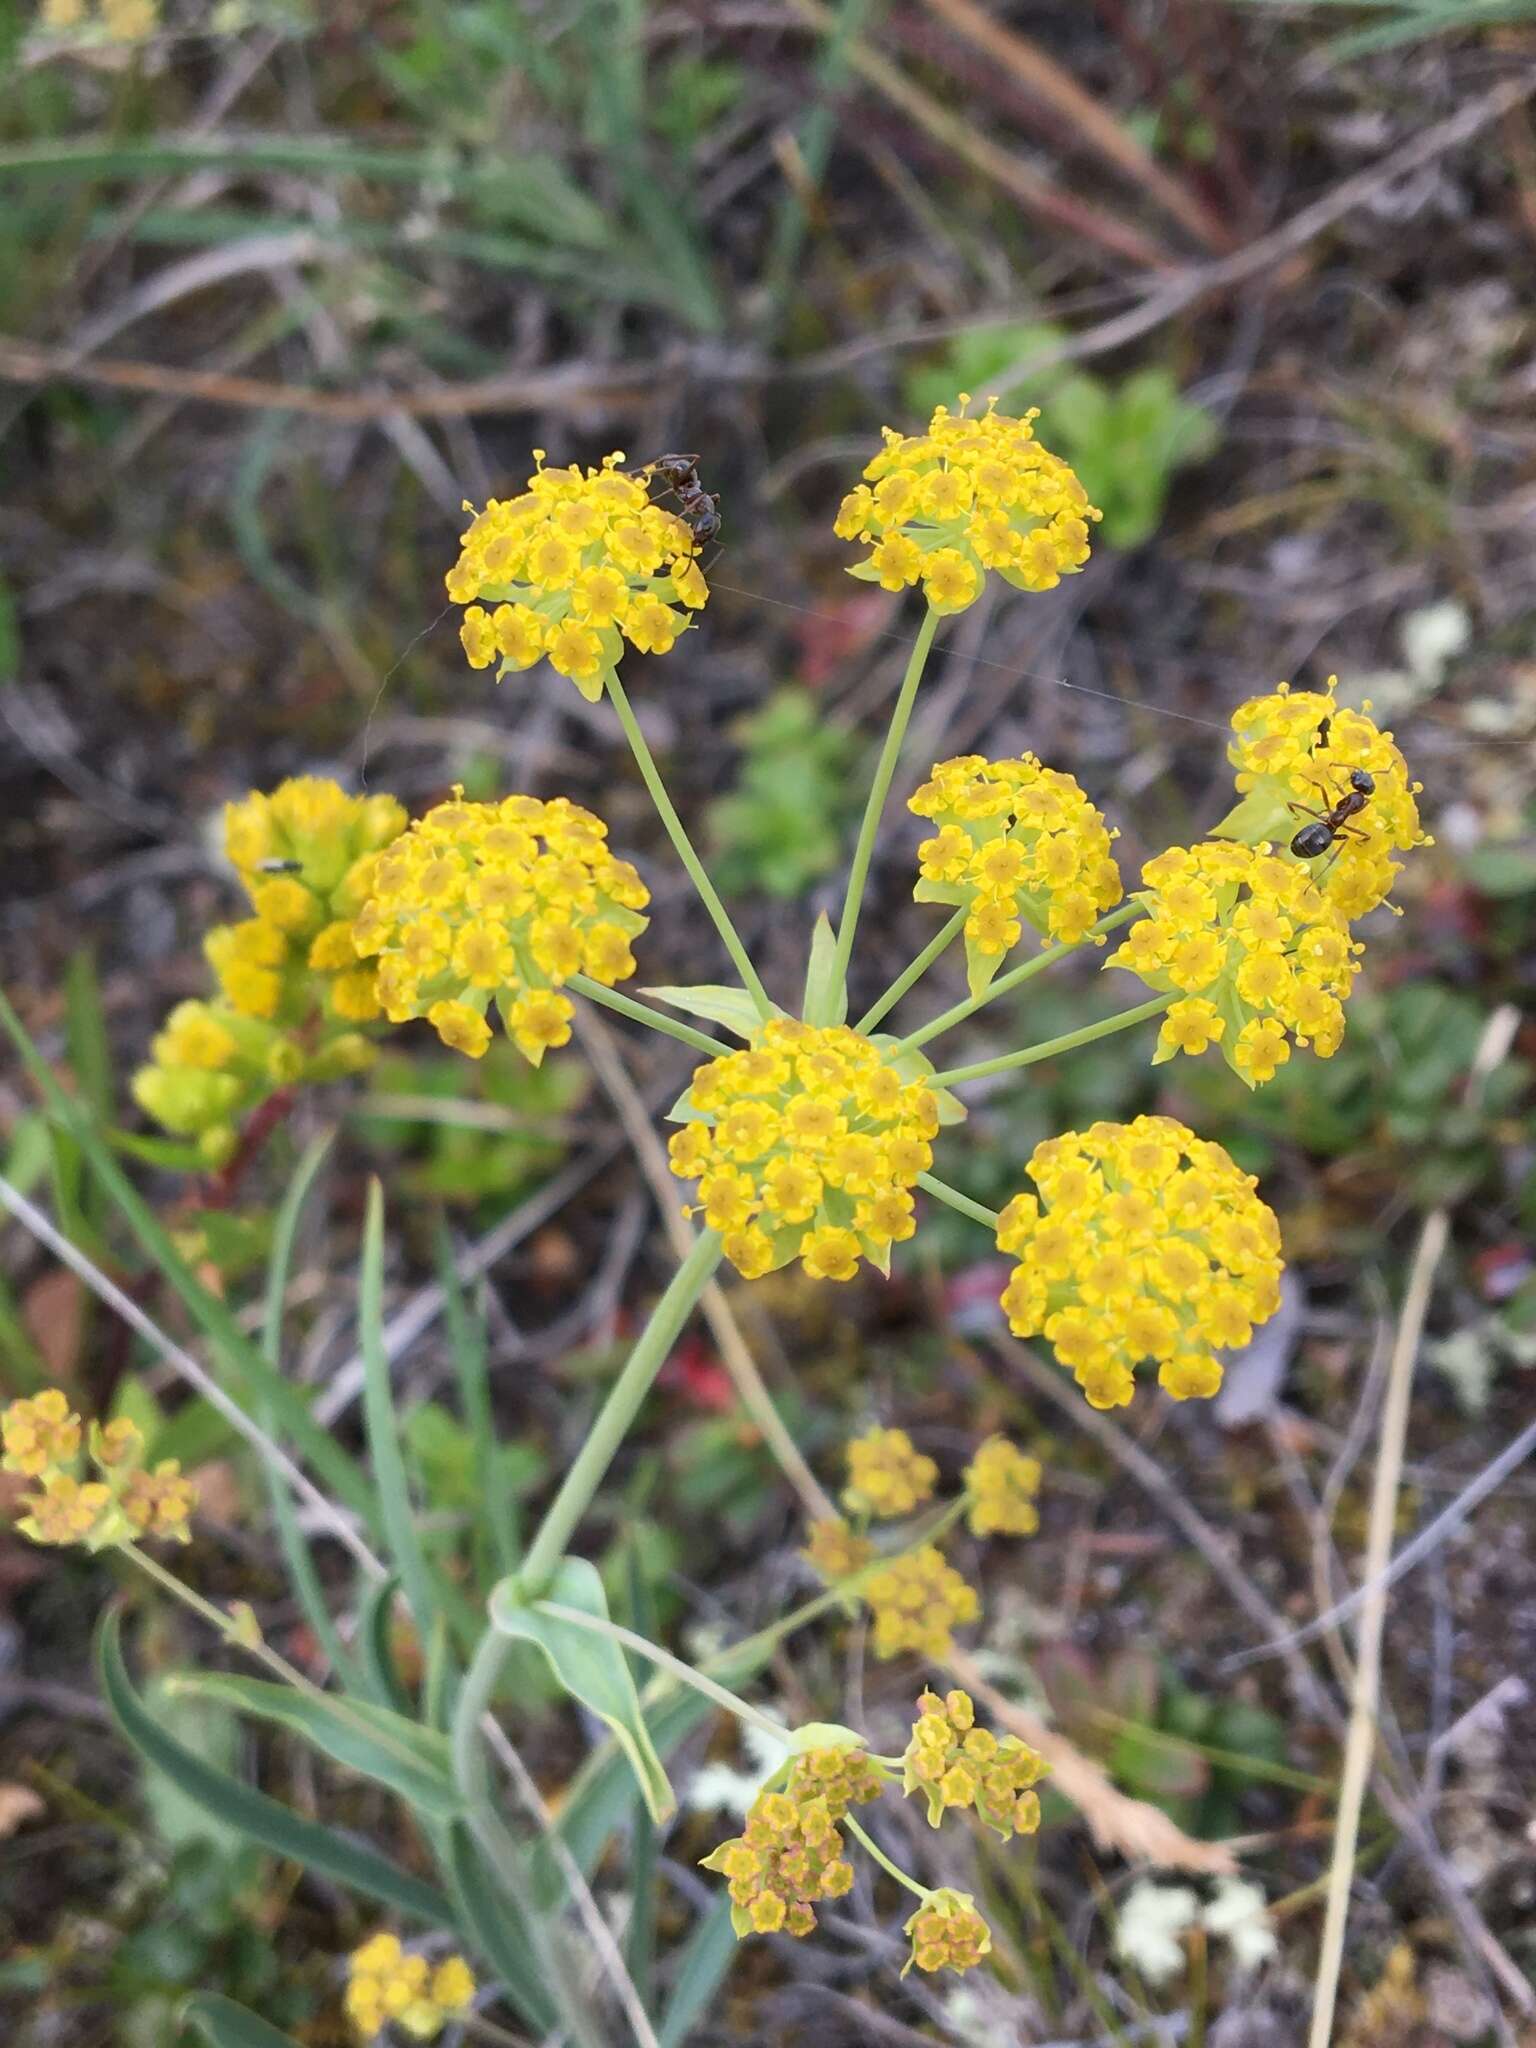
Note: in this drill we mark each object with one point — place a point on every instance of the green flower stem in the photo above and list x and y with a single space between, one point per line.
872 1848
938 944
1016 977
1122 1021
618 1412
885 768
956 1200
642 1013
683 845
216 1618
686 1674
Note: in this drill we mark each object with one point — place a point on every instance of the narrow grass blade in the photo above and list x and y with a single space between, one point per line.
705 1958
401 1539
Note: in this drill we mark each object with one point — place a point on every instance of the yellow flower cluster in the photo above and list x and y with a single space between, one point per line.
952 1762
1017 844
947 1933
119 21
1002 1483
791 1854
887 1475
970 495
806 1144
505 902
1294 752
42 1439
1144 1242
292 990
576 565
834 1551
917 1601
385 1984
1254 950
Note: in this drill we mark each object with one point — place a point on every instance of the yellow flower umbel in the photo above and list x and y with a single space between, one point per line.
947 1933
1294 752
499 902
917 1601
953 1763
942 508
42 1438
790 1854
1143 1243
385 1985
579 563
887 1475
834 1551
293 994
1017 844
1252 947
1002 1483
806 1145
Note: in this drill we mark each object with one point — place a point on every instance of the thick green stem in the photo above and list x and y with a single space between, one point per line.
683 846
685 1673
939 943
642 1013
617 1413
957 1201
873 1848
1051 1046
1015 978
885 768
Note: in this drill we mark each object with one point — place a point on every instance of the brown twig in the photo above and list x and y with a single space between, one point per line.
1091 123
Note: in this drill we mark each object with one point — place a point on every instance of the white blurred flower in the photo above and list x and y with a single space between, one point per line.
1237 1915
722 1788
1150 1923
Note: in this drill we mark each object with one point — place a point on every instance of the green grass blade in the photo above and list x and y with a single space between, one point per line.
302 1574
466 1339
245 1372
223 2024
498 1927
262 1820
705 1958
380 1680
401 1539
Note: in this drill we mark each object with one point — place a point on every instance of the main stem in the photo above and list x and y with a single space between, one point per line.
683 846
642 1013
1051 1046
885 768
617 1413
1015 978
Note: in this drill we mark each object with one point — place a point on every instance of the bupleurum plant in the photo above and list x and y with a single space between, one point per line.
1137 1249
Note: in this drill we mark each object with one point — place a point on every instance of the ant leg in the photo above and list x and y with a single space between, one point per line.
1305 811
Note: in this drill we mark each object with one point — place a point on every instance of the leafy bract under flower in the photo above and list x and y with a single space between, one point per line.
576 565
942 508
499 902
1293 752
1252 947
1143 1242
1017 844
806 1144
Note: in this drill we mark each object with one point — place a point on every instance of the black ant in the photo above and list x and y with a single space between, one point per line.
698 508
1332 824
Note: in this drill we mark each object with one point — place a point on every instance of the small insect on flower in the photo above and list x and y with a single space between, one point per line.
679 475
1331 825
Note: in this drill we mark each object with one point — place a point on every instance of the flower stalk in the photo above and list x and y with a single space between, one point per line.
1067 1042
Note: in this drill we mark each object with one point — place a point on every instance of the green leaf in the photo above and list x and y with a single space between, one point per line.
411 1760
375 1621
466 1339
716 1002
224 2024
826 990
499 1927
591 1667
705 1958
379 1416
252 1813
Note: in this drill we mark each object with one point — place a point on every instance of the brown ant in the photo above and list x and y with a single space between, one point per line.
1332 825
698 508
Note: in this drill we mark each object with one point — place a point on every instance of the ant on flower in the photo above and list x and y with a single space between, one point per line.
698 508
1331 825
